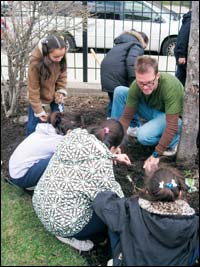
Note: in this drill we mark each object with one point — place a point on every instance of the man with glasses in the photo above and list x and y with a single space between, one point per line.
158 99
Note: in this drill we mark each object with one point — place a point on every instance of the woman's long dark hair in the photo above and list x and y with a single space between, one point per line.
48 45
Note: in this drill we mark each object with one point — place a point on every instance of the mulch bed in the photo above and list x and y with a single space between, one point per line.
88 111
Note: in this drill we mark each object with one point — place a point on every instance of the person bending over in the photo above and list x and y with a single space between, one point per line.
157 229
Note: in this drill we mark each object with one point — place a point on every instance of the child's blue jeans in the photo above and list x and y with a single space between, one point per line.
150 132
33 174
33 121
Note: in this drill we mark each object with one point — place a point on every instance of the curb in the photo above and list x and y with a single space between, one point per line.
84 88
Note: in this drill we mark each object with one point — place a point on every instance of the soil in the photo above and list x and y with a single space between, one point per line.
89 111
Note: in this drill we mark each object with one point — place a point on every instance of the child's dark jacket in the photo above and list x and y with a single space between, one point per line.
117 68
164 234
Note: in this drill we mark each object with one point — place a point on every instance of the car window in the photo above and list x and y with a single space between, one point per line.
105 9
137 10
171 14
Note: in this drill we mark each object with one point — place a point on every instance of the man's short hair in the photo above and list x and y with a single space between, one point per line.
144 63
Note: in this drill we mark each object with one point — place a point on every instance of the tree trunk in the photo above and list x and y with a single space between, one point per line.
187 150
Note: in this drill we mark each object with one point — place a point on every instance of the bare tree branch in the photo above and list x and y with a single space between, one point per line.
29 21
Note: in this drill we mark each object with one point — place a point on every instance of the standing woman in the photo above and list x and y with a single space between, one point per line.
47 79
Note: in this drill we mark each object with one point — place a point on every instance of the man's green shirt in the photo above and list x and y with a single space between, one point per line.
168 97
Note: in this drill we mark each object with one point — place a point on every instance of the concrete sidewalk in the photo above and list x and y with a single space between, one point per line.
84 88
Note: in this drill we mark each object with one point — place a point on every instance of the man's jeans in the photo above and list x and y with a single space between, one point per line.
149 133
118 104
33 121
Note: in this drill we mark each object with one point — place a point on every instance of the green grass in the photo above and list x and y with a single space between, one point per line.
24 241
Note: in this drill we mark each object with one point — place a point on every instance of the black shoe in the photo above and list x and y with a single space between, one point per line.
7 180
29 192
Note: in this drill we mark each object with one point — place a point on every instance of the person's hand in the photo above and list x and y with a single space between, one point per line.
181 60
123 158
151 165
44 118
59 98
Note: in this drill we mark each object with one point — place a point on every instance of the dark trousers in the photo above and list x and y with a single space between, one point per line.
33 174
94 227
181 73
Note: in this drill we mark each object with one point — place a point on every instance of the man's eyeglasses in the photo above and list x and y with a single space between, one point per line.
150 83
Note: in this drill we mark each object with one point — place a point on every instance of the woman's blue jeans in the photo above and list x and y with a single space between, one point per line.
33 121
150 132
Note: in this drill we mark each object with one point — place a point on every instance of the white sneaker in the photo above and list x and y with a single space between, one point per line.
170 152
30 188
132 131
110 262
81 245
